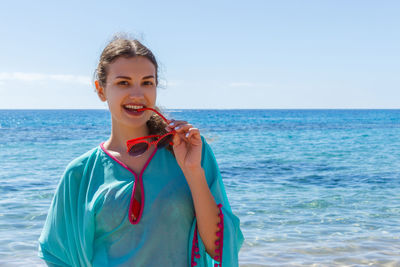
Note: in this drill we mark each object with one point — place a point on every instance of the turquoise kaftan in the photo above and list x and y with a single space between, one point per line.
88 225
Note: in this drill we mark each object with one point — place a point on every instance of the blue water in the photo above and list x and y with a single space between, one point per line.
311 187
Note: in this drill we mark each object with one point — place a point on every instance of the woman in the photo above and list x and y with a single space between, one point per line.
128 203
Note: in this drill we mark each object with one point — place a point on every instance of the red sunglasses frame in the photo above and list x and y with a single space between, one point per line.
130 143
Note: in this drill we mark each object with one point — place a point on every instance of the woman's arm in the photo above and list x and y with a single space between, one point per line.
206 209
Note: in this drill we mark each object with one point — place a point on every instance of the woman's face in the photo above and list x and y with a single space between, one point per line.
131 84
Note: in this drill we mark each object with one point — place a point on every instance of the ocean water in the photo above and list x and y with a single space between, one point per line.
311 187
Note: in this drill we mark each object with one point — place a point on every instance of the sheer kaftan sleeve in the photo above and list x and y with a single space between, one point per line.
67 235
230 237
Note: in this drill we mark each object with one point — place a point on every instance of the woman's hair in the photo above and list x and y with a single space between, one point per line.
128 48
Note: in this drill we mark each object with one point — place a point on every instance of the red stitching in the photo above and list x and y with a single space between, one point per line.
195 247
220 242
220 234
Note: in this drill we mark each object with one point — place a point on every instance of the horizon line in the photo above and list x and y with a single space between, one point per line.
2 109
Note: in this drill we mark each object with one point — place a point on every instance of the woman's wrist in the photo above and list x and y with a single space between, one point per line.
192 171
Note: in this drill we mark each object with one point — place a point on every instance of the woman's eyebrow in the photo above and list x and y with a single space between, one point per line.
128 78
123 77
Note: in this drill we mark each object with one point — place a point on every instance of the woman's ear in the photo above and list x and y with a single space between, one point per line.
100 91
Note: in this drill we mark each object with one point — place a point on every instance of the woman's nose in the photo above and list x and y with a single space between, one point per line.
136 91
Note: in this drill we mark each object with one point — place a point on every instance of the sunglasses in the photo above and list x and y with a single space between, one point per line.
137 146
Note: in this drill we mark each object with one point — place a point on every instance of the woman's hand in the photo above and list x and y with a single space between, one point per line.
187 145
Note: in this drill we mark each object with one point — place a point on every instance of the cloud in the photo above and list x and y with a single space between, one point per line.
248 84
35 77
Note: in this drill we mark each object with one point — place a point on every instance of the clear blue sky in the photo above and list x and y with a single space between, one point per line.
213 54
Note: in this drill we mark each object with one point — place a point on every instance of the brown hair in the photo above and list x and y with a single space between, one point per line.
121 46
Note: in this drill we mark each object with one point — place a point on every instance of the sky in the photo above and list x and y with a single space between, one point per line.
212 54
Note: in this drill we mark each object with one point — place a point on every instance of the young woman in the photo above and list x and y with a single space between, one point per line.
150 195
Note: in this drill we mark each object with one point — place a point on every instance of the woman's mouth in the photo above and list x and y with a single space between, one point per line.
133 109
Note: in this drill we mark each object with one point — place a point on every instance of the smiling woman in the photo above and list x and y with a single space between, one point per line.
149 207
130 83
133 66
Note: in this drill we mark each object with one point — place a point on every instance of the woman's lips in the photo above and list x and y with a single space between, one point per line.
133 111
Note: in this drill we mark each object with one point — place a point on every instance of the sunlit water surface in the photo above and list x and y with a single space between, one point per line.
311 187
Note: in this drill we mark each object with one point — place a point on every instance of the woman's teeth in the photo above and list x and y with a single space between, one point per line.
133 107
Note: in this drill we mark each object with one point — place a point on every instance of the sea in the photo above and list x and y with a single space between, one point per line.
311 187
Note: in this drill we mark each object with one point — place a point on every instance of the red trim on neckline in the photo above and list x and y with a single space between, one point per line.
137 178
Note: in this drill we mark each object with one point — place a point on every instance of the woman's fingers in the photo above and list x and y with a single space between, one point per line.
193 132
174 123
179 126
184 130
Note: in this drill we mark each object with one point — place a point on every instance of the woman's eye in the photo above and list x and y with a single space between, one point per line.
123 83
148 83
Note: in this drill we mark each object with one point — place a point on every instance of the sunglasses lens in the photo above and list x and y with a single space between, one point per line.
138 149
163 142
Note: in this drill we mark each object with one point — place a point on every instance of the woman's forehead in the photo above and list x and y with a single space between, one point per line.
134 66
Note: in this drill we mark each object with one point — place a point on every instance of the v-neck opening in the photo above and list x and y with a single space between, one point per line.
138 180
126 166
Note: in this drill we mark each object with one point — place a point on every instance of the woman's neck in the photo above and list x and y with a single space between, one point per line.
120 134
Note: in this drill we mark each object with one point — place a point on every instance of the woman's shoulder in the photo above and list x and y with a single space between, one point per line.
75 170
207 140
207 152
79 163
